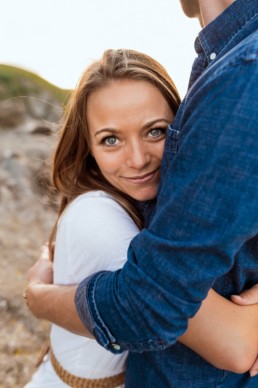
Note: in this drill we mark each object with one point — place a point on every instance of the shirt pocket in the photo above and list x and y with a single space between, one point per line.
171 148
172 140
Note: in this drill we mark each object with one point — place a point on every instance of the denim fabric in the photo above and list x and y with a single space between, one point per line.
203 231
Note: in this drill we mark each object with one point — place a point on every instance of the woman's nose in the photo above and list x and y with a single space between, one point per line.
137 155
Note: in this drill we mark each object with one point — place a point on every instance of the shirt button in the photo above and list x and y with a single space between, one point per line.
213 56
116 346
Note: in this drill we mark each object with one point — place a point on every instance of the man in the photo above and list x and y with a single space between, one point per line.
204 232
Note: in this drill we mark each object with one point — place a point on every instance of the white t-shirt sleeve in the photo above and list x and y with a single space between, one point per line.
93 235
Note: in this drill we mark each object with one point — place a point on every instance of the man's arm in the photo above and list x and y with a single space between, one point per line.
223 333
248 297
206 210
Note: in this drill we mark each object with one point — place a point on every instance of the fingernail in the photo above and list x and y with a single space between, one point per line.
253 373
237 297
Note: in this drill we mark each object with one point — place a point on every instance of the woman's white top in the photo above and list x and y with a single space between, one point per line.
93 234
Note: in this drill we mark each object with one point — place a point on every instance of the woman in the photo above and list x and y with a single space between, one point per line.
107 162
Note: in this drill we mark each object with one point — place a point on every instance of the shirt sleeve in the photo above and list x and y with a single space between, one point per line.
95 233
207 209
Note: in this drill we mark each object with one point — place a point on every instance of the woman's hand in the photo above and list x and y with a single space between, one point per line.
42 270
52 302
248 297
40 274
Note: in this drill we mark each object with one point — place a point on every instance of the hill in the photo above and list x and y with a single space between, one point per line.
15 82
29 101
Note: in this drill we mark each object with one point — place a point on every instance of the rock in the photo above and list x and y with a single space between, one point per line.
27 217
27 211
42 111
3 305
12 113
42 131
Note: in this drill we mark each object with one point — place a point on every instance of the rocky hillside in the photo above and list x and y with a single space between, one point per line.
30 111
28 101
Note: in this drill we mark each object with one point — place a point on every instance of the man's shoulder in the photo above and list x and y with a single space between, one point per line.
244 51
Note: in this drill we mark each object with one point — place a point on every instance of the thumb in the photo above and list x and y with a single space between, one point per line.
254 370
44 254
246 297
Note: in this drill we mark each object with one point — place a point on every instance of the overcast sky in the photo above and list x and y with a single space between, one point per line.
58 38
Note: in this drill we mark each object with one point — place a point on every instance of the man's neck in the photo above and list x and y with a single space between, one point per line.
210 9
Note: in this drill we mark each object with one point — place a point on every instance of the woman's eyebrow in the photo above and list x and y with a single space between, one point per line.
155 121
109 130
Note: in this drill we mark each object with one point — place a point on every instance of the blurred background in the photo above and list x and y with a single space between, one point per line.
44 47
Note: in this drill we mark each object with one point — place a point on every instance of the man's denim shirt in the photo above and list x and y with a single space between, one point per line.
204 231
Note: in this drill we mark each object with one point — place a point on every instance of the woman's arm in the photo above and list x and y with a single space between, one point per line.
55 304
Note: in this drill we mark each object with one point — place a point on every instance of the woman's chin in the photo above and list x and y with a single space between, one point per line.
144 196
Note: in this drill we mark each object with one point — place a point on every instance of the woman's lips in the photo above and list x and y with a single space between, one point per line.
143 178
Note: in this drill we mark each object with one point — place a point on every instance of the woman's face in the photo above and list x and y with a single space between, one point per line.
127 122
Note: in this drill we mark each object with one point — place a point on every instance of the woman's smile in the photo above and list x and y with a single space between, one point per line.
144 178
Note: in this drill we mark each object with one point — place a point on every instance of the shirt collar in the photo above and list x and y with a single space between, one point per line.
217 35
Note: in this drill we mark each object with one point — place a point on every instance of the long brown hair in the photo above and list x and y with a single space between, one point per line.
74 170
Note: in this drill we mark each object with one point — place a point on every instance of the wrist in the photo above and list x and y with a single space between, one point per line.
32 295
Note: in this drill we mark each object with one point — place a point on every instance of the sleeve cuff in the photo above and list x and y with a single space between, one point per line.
88 313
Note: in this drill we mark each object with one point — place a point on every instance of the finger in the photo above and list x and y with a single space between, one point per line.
254 370
44 252
247 297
